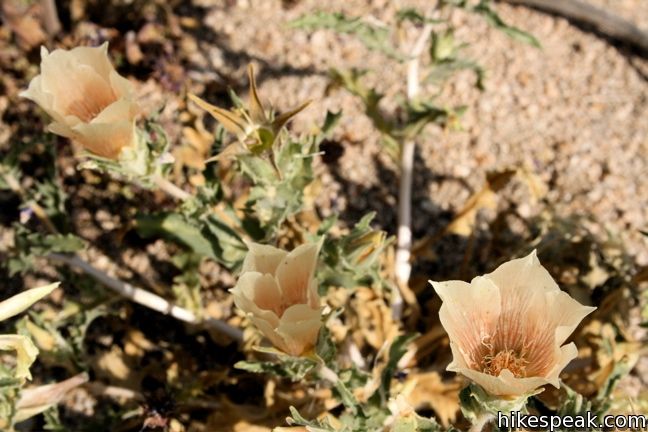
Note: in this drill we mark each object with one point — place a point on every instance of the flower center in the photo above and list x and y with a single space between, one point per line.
506 359
87 100
86 110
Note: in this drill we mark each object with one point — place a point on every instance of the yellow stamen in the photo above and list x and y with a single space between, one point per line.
506 359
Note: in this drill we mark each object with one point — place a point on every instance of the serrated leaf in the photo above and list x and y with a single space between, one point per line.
30 245
372 36
442 46
312 425
258 169
421 113
258 367
330 121
493 19
413 15
352 82
178 228
346 397
325 348
295 368
397 350
442 71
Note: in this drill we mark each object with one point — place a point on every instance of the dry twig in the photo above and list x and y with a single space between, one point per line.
146 298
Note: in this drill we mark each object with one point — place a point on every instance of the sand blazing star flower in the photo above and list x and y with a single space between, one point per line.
88 100
278 291
507 328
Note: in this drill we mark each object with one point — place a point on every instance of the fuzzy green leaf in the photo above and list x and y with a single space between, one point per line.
493 19
176 227
374 37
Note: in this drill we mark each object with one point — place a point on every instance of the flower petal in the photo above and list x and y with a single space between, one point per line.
122 87
564 356
269 330
121 109
106 139
469 313
299 327
95 57
296 272
259 295
44 99
565 314
506 384
262 258
83 93
522 274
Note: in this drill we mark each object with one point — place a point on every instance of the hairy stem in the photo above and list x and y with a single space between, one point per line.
146 298
171 189
328 374
403 267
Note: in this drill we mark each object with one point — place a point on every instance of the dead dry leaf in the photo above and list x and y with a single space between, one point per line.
464 223
427 390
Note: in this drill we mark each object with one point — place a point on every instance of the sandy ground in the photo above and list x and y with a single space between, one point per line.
574 112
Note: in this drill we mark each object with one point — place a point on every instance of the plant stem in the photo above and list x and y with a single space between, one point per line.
403 267
328 374
146 298
171 189
42 216
413 82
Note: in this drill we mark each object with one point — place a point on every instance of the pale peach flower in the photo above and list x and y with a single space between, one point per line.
89 102
507 328
278 291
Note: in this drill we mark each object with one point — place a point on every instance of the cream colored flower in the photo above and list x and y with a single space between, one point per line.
26 351
507 328
88 100
278 291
